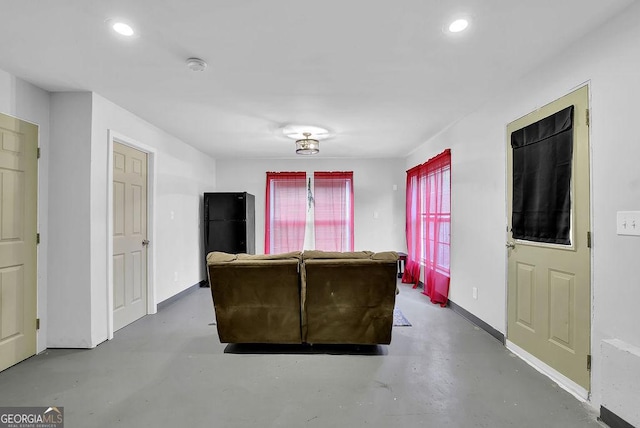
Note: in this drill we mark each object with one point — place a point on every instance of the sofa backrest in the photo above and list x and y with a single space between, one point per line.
348 297
256 299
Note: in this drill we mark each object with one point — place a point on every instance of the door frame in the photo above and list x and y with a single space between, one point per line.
152 307
564 382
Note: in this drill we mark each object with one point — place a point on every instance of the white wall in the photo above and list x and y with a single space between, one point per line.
69 313
609 60
78 218
32 104
182 175
373 181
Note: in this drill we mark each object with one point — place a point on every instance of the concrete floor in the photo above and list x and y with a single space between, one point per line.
169 370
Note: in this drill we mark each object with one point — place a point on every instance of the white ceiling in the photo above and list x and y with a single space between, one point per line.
381 74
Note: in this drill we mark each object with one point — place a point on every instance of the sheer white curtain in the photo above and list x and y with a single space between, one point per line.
309 231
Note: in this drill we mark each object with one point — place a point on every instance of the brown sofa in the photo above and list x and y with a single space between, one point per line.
313 297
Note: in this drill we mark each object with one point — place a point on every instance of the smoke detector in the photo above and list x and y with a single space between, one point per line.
196 64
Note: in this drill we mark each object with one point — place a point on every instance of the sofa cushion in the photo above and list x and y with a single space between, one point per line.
318 254
220 257
385 255
282 256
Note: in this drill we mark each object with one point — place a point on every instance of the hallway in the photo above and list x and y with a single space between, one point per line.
169 370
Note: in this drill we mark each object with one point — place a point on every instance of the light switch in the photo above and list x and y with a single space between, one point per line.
628 223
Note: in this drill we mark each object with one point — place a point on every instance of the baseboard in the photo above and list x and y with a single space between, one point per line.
477 321
178 296
613 420
561 380
564 382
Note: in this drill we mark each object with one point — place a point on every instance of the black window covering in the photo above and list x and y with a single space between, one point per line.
542 154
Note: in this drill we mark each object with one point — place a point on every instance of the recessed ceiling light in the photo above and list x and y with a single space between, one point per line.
122 28
458 25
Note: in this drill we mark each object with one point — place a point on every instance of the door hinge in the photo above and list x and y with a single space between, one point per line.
588 362
37 238
38 153
588 117
588 239
37 323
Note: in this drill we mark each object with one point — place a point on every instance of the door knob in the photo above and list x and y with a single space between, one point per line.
511 245
145 242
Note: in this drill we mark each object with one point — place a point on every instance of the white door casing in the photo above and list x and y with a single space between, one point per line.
151 307
129 235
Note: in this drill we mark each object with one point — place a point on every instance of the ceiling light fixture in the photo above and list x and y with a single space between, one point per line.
123 29
307 146
458 25
196 64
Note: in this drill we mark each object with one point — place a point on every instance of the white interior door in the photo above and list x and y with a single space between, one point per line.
18 229
129 235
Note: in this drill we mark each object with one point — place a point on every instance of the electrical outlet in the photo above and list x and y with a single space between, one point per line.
628 223
175 276
474 290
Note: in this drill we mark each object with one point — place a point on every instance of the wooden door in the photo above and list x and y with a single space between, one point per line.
18 229
549 284
129 235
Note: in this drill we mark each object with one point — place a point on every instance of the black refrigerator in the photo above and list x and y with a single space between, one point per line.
229 223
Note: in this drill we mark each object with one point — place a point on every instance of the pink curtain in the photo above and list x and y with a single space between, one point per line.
333 211
411 273
285 212
428 225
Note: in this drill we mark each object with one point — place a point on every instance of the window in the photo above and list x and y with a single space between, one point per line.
429 225
285 212
436 216
333 211
324 210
